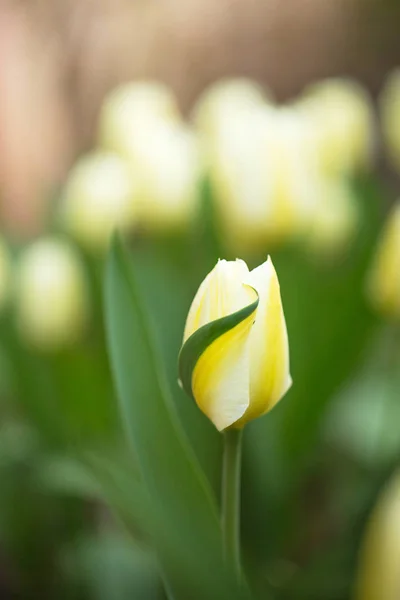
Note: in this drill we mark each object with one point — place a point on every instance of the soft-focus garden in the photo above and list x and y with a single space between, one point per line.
177 424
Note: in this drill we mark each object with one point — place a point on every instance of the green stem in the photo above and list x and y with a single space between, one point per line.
231 499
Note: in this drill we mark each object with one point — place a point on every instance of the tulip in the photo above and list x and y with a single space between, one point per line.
390 117
335 219
51 295
378 575
383 285
340 116
234 360
223 99
167 157
100 195
130 108
261 170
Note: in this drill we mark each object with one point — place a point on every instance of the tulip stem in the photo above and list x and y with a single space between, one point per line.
231 499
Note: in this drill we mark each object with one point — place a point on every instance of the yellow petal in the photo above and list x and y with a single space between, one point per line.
269 349
220 381
384 281
221 293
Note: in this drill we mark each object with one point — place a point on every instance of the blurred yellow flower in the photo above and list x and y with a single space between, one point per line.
101 194
378 575
340 117
390 117
129 108
383 285
235 355
51 295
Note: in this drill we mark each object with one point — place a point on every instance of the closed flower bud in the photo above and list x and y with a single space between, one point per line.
235 357
340 116
100 195
51 295
390 117
167 156
130 107
378 575
383 285
335 219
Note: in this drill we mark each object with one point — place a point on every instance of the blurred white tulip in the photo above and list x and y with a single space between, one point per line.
129 108
100 195
335 219
390 117
261 169
340 116
168 158
222 100
51 296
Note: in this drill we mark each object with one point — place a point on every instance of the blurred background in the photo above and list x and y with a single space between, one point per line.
203 130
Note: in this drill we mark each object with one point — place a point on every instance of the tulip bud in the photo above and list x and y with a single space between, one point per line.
167 156
383 285
223 99
341 118
260 167
235 356
390 117
51 295
130 107
100 195
335 219
378 575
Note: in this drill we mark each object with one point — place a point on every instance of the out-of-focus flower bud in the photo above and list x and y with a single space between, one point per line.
341 117
335 219
235 355
51 295
383 285
378 574
390 117
260 169
130 108
223 100
100 195
168 158
5 274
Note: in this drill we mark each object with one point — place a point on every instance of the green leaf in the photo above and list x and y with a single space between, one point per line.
186 528
201 339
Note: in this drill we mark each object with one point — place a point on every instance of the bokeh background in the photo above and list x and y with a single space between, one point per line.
204 130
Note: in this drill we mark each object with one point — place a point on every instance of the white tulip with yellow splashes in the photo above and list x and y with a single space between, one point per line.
168 158
129 108
100 195
340 116
390 117
235 356
383 285
261 171
51 295
378 576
